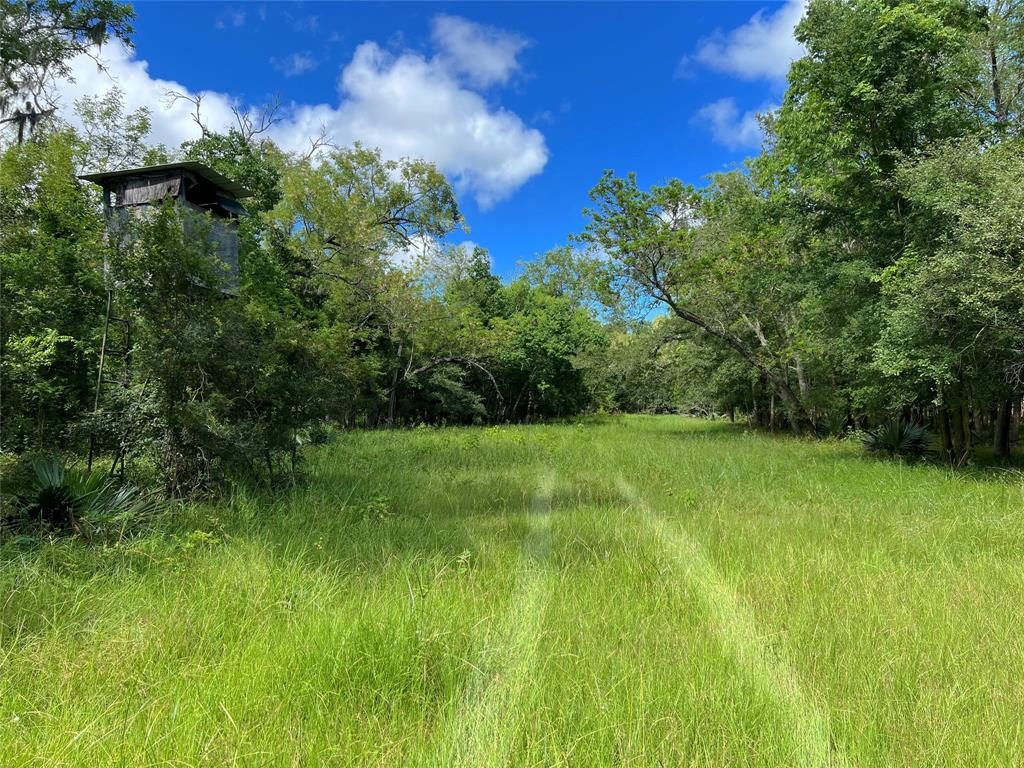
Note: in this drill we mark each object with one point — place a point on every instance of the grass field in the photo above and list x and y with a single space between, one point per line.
638 591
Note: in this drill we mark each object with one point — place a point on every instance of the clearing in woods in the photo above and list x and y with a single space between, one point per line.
648 591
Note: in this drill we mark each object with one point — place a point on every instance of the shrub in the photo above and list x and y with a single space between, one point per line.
317 433
835 424
87 503
898 440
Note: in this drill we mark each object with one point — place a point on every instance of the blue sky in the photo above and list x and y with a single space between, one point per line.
522 104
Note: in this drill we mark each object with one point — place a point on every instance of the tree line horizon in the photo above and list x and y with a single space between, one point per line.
864 267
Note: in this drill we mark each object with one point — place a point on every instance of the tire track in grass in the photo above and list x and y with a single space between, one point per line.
484 728
738 632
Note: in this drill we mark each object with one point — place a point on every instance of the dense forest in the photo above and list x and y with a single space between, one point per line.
865 268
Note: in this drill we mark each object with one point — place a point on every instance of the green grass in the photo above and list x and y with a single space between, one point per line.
636 591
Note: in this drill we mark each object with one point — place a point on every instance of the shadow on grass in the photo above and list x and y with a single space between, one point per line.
984 467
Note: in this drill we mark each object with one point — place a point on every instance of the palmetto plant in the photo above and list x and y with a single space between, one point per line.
84 502
834 424
898 439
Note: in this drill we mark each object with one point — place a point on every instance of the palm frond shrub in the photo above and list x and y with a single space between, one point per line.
835 424
69 500
899 440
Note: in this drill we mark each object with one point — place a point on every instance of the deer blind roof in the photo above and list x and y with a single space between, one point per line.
223 183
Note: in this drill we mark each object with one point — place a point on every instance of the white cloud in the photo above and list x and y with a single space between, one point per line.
484 55
172 124
761 49
430 256
295 64
729 127
445 261
468 246
408 105
419 252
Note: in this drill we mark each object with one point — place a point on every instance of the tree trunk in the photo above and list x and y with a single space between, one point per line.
798 412
997 90
1015 424
960 433
1001 438
966 427
945 436
805 390
393 398
801 377
955 432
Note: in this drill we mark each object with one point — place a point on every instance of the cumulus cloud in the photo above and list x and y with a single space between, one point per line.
761 49
729 127
407 104
172 123
430 256
484 55
295 64
411 106
421 250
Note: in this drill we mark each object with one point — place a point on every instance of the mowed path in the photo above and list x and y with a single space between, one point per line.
483 728
739 633
620 592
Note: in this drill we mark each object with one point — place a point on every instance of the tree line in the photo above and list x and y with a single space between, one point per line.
333 321
865 266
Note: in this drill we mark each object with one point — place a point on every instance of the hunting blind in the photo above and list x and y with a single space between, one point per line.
190 185
129 193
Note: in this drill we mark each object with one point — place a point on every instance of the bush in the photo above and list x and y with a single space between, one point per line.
87 503
835 424
317 433
898 440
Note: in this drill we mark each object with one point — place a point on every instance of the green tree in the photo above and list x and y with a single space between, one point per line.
51 255
347 217
38 39
998 39
112 139
952 330
685 250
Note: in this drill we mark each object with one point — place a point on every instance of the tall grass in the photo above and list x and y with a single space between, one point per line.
635 591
